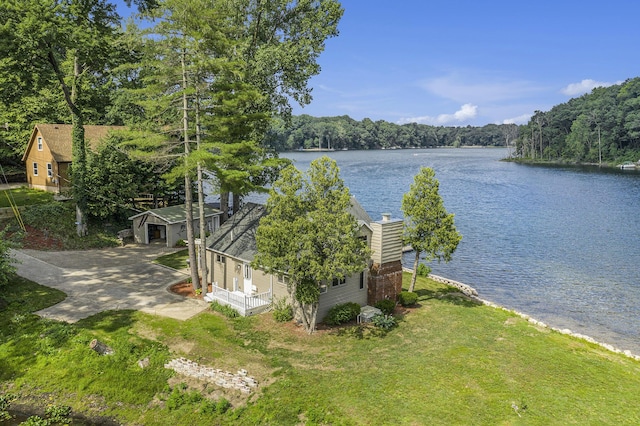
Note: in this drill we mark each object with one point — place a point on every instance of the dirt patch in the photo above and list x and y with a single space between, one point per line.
185 289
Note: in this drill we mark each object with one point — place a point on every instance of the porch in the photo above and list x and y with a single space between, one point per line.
245 304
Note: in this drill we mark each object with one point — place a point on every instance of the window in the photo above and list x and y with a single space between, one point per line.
35 169
283 279
361 280
323 287
220 258
247 271
39 143
338 281
49 170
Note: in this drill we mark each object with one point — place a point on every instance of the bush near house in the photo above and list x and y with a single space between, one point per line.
342 313
387 306
407 298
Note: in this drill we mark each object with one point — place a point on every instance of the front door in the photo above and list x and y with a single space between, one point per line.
248 283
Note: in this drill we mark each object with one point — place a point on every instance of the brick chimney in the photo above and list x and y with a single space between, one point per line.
385 277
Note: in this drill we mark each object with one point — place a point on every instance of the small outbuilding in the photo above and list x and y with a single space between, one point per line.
169 224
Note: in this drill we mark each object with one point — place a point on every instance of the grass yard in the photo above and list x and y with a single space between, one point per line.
176 260
24 196
450 361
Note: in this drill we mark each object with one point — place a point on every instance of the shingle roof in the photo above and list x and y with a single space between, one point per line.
58 138
237 236
177 214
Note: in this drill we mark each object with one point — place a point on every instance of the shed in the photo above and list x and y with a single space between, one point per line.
170 223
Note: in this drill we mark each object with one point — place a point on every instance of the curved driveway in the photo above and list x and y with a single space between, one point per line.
107 279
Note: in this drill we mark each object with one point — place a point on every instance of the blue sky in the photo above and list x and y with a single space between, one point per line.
458 63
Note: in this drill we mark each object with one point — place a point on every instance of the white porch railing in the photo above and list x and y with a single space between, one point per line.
245 304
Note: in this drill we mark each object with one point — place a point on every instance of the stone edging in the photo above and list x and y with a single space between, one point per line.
471 292
240 381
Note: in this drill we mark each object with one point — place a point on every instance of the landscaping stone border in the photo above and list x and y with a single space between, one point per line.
239 381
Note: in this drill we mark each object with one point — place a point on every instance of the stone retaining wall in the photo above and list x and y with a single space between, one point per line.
239 381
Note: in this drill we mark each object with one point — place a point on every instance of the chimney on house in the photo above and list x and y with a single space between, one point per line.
385 279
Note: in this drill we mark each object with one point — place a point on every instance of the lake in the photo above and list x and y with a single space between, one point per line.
561 244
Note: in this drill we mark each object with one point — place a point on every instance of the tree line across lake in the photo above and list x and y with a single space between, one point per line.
343 132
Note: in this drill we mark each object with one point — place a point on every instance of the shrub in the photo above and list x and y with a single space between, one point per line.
386 306
423 270
181 243
225 310
385 322
7 269
344 312
407 298
282 311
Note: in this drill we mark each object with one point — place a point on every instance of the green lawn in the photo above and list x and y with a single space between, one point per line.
449 361
176 260
24 196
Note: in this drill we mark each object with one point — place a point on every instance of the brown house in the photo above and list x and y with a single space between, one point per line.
48 154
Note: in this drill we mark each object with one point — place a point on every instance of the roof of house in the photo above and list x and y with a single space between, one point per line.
58 138
237 236
177 214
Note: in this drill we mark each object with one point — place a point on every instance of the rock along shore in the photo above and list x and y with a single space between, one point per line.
471 292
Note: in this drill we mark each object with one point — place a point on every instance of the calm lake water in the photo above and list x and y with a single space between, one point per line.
561 244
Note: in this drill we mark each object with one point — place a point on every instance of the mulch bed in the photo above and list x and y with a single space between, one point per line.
185 289
38 239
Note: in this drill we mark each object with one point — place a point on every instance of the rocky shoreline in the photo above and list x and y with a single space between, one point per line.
472 293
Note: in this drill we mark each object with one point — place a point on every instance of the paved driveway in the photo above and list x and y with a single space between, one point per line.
107 279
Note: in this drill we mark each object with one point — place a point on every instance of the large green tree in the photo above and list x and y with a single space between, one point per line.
309 234
71 43
428 229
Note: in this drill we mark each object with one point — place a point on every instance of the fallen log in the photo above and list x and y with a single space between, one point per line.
100 347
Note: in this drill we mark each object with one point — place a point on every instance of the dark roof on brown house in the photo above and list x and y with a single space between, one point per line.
58 138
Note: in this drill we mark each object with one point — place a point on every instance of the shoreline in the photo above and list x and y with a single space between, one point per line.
472 293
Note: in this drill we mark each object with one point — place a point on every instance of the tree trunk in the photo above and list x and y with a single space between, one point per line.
188 195
414 276
224 205
203 231
236 202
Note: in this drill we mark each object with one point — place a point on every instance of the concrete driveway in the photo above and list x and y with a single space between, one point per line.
107 279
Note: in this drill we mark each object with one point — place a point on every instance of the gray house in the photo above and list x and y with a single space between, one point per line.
232 247
169 224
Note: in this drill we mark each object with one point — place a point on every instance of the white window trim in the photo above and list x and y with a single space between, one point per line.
49 170
247 271
40 144
220 258
35 168
323 287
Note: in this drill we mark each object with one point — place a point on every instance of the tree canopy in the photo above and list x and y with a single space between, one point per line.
428 229
599 127
309 234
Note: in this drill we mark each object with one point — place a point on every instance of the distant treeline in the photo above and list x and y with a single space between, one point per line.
343 132
602 126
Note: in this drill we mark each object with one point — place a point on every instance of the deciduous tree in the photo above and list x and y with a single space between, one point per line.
309 234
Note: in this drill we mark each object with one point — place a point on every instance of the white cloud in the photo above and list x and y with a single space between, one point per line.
585 86
466 112
521 119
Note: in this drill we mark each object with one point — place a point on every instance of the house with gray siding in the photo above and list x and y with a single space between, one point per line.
169 224
231 249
